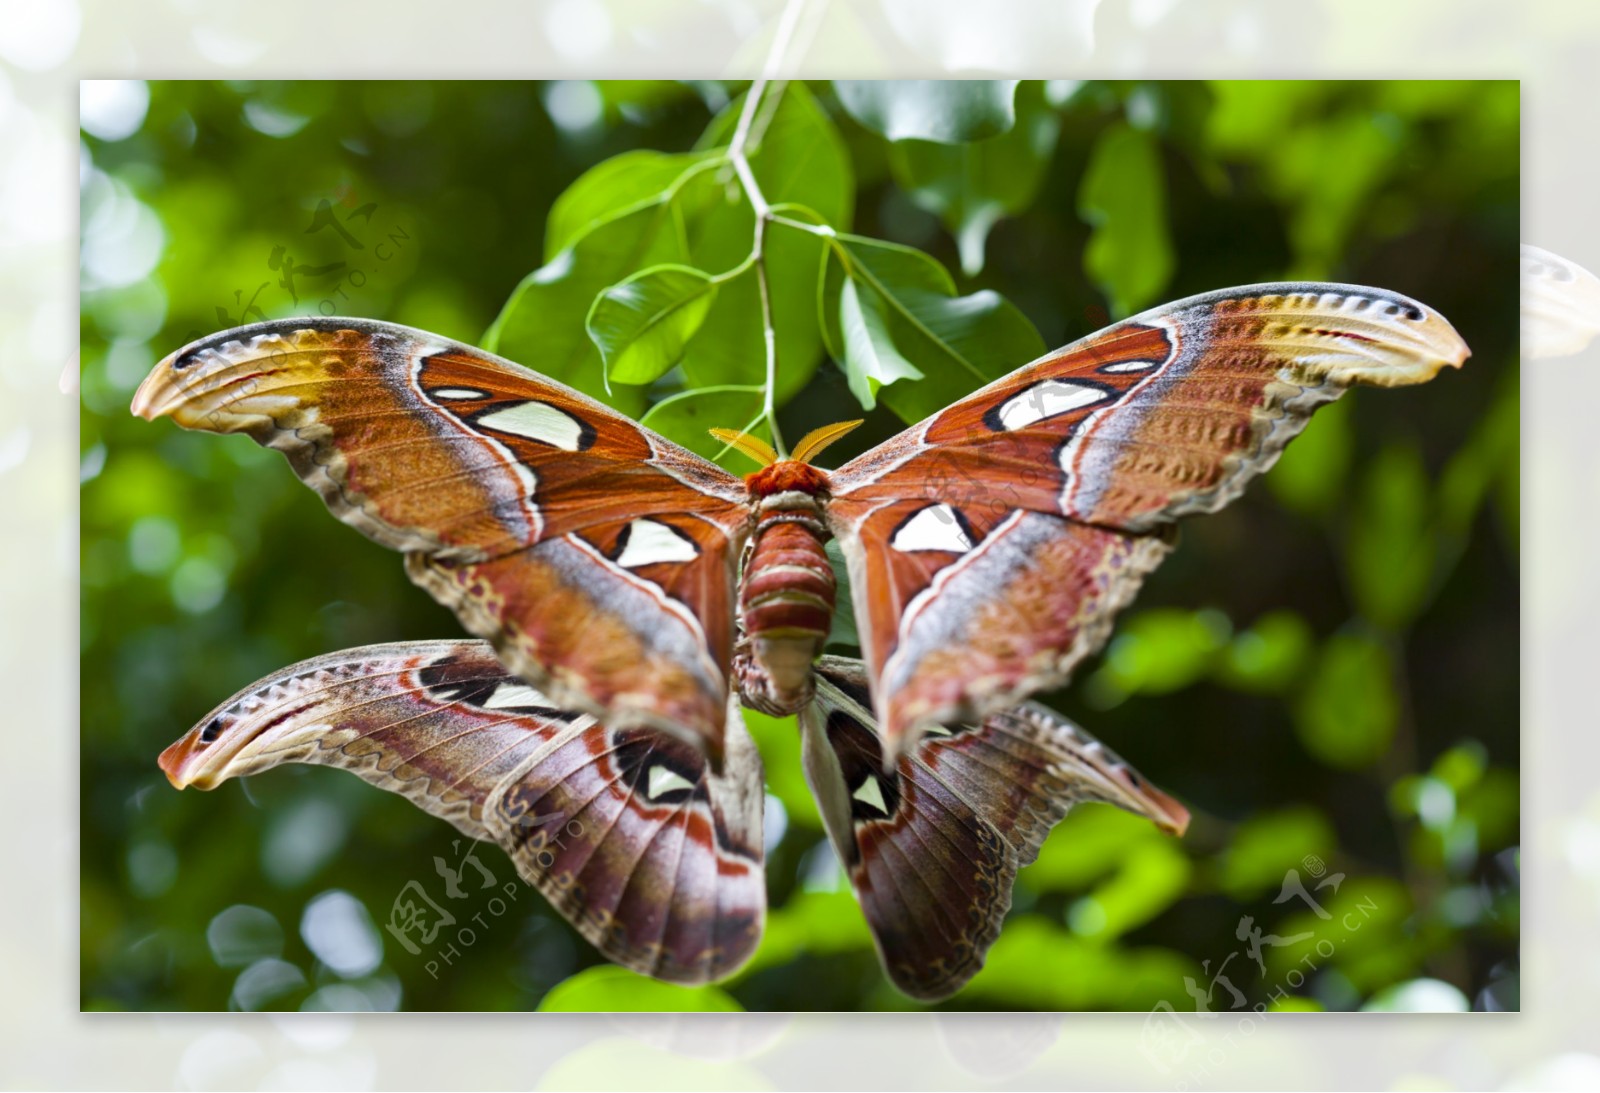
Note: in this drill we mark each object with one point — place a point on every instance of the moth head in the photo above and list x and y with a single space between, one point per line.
242 737
198 757
780 474
1104 776
1131 791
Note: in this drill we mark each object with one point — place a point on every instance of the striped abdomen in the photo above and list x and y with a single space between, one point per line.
786 597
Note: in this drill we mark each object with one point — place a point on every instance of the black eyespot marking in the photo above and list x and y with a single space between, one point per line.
457 680
210 733
475 414
620 550
938 512
454 679
995 424
861 758
648 761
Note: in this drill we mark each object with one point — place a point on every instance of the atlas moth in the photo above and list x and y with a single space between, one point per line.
632 596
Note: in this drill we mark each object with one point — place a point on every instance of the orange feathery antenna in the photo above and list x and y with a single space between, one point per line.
817 439
762 452
752 446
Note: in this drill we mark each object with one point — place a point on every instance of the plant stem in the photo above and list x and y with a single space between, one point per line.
769 404
738 156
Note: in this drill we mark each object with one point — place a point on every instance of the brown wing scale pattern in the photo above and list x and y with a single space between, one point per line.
642 818
628 833
933 845
1090 451
990 548
472 464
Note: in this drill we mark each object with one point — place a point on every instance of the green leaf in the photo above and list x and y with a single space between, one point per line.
1148 880
643 323
843 631
1328 204
1290 1003
731 347
959 343
1123 200
1389 547
688 417
609 989
1268 845
1493 806
1089 843
1409 795
811 922
1491 454
1180 112
969 186
640 101
800 159
870 358
1462 766
1164 650
626 214
1347 716
778 741
1310 475
1269 656
941 110
1250 117
1037 964
543 323
618 187
1368 926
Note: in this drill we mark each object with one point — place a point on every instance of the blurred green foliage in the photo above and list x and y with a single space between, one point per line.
1326 673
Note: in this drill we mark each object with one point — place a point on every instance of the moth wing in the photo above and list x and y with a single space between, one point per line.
990 545
630 835
597 556
933 845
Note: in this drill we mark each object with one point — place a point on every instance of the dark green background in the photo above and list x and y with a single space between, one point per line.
1328 669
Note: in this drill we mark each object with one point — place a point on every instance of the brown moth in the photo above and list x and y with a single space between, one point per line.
629 582
655 858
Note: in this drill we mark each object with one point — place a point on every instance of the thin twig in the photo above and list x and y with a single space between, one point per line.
764 116
769 402
769 70
737 155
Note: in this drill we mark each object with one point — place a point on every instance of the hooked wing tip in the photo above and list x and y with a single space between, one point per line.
174 761
154 399
1166 812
